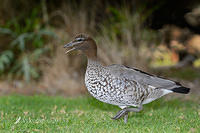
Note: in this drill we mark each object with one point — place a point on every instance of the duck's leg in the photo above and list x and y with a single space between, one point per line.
120 114
126 117
124 112
134 109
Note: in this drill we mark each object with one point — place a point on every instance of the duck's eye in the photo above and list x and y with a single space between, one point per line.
79 39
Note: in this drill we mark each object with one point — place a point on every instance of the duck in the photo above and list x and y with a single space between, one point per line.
126 87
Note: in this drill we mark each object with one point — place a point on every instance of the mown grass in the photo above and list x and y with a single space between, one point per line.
85 114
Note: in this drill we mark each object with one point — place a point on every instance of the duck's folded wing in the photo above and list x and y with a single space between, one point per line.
143 77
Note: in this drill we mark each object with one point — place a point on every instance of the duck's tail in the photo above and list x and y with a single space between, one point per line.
181 89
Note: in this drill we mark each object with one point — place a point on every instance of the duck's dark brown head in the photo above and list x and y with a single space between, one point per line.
83 43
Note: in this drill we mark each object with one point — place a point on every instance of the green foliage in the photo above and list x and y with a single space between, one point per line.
6 58
128 26
27 35
7 31
86 114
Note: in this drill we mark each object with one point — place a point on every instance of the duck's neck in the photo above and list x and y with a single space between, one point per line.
93 62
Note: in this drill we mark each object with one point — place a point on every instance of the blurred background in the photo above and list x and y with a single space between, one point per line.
160 37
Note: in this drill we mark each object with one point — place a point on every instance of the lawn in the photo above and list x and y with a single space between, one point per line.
85 114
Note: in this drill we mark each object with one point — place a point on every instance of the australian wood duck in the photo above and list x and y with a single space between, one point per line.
120 85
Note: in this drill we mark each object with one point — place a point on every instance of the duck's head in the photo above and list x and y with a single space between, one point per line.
83 43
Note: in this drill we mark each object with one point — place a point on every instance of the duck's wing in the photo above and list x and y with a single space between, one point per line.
145 78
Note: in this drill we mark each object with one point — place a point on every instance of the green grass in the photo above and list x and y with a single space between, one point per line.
85 114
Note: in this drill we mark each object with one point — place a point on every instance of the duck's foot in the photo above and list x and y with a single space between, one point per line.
124 112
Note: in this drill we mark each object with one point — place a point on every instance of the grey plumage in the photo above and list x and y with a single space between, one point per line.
120 85
123 86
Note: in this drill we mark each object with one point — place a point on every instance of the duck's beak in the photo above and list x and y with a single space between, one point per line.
71 46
